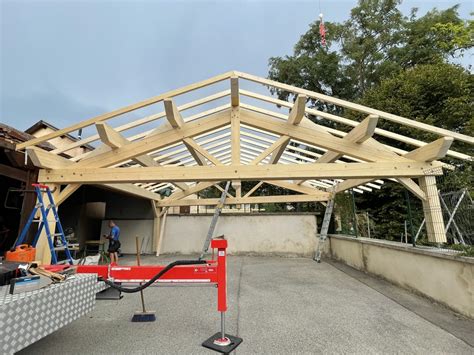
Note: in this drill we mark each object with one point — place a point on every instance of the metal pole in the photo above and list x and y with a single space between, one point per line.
451 215
406 232
419 231
138 245
368 224
222 325
410 217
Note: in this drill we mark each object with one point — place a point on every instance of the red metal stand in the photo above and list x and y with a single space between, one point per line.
213 272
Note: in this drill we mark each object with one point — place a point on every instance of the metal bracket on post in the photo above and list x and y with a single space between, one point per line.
324 228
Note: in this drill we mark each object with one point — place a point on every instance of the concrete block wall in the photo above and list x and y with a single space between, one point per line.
445 278
275 234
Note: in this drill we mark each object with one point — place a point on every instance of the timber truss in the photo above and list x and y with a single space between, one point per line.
235 135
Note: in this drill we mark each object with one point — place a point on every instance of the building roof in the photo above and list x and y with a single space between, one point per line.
44 124
13 136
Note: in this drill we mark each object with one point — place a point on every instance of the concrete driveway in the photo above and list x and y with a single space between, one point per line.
278 306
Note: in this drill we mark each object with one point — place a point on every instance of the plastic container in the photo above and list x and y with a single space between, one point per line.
22 253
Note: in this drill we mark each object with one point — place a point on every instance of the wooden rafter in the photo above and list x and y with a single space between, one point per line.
360 108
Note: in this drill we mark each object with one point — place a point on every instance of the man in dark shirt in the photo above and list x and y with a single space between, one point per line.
114 243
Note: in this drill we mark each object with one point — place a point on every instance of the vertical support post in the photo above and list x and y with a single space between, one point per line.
43 249
156 225
161 235
432 210
235 133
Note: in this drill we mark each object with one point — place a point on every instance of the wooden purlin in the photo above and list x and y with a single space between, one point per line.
357 107
335 132
123 110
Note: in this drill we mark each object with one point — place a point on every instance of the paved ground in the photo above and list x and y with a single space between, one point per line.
278 306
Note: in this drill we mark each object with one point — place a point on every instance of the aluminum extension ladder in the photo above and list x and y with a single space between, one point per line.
217 212
43 223
323 234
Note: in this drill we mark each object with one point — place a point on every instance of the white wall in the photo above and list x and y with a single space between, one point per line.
445 278
274 234
129 229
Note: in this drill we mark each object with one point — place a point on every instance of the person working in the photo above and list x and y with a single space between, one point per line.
114 243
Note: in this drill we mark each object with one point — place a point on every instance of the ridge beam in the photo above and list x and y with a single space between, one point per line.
234 91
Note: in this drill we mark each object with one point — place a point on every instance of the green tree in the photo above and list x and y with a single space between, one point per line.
398 64
375 43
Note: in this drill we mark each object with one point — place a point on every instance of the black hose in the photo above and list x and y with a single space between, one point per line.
154 278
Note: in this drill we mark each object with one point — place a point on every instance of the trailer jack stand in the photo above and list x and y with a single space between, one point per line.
222 342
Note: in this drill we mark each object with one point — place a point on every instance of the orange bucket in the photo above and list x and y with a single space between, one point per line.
22 253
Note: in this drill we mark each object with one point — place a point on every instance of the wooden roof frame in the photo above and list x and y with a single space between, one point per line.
239 141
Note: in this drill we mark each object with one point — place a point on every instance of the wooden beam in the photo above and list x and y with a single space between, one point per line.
191 190
48 160
235 135
312 137
66 192
198 157
193 146
353 123
253 189
172 114
144 120
244 172
298 110
294 118
432 210
155 142
331 131
123 110
323 196
282 141
432 151
357 107
133 190
115 140
293 187
359 134
13 173
234 91
43 159
221 189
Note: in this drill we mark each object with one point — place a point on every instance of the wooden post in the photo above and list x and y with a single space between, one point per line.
156 224
432 210
43 252
162 231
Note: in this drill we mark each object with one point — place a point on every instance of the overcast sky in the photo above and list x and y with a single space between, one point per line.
64 61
